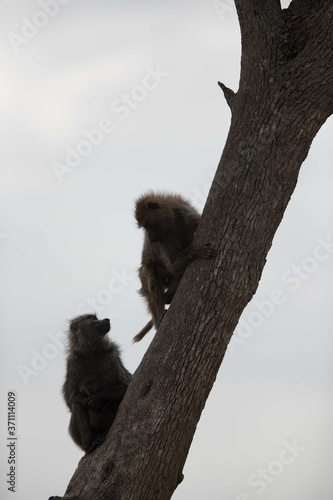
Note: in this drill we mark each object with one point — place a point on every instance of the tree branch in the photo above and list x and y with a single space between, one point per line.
228 94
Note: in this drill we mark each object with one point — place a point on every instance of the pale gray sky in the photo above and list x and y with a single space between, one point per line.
99 102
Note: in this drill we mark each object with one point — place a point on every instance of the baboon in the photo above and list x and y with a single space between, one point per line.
170 223
96 380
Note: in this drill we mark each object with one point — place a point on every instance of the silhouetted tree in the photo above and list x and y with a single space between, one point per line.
285 95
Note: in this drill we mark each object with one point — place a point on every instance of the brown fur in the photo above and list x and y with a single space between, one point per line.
170 223
96 380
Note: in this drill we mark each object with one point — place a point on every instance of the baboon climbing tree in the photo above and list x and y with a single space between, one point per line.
170 223
285 95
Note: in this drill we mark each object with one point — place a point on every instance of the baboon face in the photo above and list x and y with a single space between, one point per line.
154 220
88 331
101 326
155 233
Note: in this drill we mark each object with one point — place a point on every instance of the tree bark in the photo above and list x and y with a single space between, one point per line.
285 95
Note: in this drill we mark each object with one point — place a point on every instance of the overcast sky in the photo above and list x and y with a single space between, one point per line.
99 102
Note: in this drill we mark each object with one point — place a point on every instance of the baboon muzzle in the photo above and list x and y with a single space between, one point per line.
102 325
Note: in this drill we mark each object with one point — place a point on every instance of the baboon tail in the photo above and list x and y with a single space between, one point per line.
143 332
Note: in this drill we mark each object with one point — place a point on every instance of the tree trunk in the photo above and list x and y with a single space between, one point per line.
284 97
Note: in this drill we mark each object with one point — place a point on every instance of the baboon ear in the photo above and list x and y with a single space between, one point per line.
153 205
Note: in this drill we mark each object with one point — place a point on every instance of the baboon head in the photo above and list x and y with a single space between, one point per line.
87 332
154 216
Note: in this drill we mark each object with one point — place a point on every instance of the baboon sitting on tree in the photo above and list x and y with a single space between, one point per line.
96 380
170 223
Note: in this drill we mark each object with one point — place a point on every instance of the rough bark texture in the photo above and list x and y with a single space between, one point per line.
284 97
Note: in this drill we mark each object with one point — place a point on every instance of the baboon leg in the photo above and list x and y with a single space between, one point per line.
79 427
172 288
156 304
99 439
153 291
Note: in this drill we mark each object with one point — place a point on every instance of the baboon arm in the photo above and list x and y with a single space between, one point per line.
183 259
189 254
104 401
115 393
